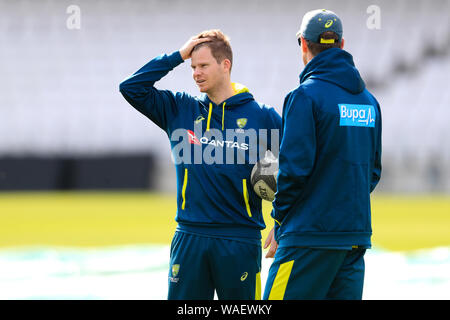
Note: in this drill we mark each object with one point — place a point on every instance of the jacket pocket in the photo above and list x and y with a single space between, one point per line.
245 194
183 190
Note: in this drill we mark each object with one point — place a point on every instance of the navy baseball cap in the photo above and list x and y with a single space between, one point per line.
318 21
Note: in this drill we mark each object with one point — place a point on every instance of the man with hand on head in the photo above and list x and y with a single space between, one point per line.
217 244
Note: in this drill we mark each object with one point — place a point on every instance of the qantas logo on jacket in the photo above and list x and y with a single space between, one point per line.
217 143
192 138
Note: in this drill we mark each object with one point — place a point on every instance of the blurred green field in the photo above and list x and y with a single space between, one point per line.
91 219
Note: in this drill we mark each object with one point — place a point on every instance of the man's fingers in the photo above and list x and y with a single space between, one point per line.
269 239
187 48
267 242
271 252
200 40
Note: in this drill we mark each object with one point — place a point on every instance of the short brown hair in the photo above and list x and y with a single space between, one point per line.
219 45
317 48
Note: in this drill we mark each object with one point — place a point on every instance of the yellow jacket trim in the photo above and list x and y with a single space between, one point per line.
183 192
245 192
239 88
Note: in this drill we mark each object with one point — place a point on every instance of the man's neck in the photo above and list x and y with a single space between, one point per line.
221 94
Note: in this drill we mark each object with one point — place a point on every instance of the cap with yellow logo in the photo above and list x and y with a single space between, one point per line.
318 21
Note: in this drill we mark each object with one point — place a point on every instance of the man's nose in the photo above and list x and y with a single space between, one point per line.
196 72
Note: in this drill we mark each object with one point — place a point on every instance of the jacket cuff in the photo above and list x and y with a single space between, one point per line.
276 227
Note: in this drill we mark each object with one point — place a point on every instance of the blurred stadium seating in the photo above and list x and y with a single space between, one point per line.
59 92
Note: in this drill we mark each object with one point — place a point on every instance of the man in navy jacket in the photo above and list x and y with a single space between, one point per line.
329 163
215 140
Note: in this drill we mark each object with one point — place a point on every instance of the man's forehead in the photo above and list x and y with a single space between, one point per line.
202 53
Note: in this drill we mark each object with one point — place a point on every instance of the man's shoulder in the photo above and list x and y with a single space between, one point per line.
371 97
264 107
268 110
303 91
258 107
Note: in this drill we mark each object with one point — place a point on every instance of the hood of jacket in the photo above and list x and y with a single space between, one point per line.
241 96
336 66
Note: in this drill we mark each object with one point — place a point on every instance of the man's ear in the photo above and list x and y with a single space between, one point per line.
227 64
342 43
304 45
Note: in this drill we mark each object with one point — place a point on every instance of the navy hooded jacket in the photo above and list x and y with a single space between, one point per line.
330 157
214 147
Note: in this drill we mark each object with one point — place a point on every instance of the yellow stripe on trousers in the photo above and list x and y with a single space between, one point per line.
281 279
258 286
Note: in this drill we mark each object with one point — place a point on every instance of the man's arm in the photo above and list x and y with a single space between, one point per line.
274 133
297 153
376 174
158 105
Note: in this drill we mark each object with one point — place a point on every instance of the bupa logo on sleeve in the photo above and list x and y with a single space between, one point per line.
357 115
